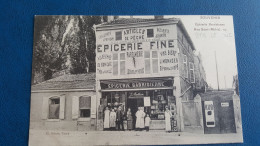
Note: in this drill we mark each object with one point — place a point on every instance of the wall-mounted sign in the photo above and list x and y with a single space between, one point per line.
137 52
224 104
209 113
137 83
147 101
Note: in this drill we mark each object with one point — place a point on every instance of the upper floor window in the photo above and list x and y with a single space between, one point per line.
115 64
150 33
118 35
147 62
185 66
155 61
122 63
192 75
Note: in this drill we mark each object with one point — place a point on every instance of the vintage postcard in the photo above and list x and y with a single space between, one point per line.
134 80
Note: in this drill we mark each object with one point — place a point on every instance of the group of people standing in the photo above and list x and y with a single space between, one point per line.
114 119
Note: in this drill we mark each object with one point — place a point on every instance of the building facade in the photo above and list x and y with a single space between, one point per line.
67 102
146 63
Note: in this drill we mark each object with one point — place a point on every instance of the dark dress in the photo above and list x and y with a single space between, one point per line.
129 121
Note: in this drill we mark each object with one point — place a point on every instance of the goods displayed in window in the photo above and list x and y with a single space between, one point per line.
133 107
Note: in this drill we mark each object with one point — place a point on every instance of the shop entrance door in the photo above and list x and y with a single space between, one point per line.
133 104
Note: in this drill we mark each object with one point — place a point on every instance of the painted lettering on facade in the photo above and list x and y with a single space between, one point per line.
137 51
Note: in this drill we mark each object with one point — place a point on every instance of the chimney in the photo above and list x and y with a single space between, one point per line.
110 18
116 17
158 17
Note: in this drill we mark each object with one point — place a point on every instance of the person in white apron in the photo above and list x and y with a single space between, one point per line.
168 116
139 119
112 120
106 119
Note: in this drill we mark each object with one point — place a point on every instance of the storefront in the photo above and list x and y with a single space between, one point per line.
144 63
151 94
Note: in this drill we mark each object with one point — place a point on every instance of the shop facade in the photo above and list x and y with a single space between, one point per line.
145 63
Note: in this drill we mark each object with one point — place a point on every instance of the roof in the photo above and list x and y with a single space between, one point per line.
133 20
68 81
217 95
123 21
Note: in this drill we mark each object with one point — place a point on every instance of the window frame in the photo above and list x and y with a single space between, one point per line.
154 59
185 64
122 60
51 103
79 114
192 70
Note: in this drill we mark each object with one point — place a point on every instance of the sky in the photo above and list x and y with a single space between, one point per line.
212 35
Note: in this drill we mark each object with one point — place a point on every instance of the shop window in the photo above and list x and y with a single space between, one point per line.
159 100
122 63
185 66
147 62
118 35
155 61
115 64
54 108
84 106
192 76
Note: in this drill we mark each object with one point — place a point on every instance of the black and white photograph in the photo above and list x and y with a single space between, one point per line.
134 80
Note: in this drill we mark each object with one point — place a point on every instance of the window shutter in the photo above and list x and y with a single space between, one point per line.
155 66
62 107
93 107
75 107
45 107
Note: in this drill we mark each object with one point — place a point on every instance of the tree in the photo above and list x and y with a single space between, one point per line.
86 24
64 42
49 55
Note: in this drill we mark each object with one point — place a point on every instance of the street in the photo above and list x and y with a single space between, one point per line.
78 138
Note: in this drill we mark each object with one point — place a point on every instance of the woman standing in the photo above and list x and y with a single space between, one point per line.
112 120
129 119
139 119
106 118
168 116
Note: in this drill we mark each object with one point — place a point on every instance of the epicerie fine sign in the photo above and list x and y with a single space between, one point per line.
136 51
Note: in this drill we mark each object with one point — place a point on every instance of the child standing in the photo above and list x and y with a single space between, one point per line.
147 122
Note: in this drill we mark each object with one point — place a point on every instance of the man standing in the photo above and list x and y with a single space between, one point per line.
119 118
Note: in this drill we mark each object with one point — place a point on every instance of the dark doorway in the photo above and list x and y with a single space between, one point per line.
133 104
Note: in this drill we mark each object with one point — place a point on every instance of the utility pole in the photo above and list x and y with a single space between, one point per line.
216 69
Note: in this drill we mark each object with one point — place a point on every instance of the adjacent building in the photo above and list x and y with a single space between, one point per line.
67 102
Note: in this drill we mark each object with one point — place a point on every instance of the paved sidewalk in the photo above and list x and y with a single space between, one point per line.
77 138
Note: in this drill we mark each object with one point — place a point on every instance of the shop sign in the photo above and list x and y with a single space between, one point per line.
137 52
147 101
136 84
